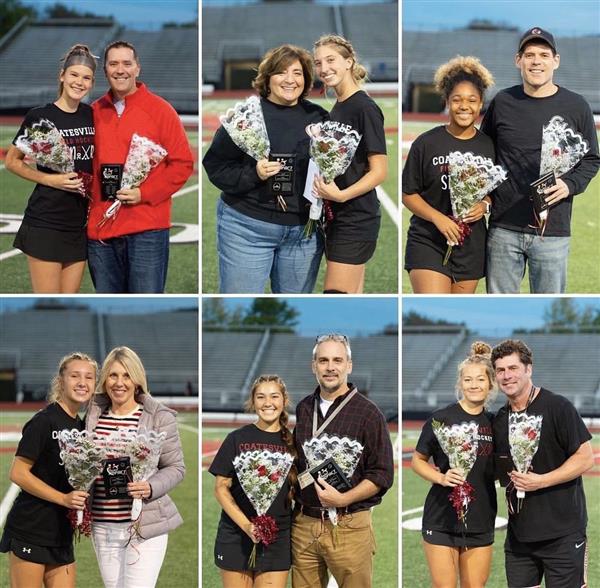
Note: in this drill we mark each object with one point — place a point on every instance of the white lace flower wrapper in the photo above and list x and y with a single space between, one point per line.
82 458
46 146
344 451
524 439
471 177
562 147
261 475
143 450
245 124
459 443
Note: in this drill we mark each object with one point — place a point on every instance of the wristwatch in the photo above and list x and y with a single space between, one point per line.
488 206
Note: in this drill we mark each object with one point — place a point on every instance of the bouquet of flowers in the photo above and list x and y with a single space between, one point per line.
261 475
459 443
345 452
562 150
524 439
82 459
48 148
245 124
471 177
332 147
143 156
143 451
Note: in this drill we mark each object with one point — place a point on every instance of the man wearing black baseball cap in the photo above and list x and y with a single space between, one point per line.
515 120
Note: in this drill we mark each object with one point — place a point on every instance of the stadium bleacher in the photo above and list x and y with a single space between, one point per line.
424 51
166 342
564 363
30 53
244 356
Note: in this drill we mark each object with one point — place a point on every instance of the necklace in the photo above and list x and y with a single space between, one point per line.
529 400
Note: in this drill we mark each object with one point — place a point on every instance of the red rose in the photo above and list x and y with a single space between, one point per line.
556 152
274 477
466 446
262 470
531 434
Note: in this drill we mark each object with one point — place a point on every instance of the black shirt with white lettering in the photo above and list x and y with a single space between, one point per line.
32 519
438 513
49 208
558 510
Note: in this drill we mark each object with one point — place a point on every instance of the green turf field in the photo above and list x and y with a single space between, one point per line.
583 270
414 491
382 269
14 192
180 567
385 523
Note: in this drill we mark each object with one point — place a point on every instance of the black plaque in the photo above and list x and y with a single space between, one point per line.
503 465
117 474
332 474
110 180
537 191
282 183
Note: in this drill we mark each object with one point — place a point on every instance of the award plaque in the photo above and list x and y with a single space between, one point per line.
502 466
117 474
110 180
537 191
282 183
332 474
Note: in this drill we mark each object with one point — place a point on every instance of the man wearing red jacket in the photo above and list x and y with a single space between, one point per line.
130 251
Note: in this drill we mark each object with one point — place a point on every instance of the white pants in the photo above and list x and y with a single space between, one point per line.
136 565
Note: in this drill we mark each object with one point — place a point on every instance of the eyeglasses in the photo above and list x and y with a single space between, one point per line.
333 337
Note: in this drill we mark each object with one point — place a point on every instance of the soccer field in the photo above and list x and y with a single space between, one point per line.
180 567
382 270
583 275
414 491
385 522
183 260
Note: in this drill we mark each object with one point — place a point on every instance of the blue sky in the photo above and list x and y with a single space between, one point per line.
492 316
576 17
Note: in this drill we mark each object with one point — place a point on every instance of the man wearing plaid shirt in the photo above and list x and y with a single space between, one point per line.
337 415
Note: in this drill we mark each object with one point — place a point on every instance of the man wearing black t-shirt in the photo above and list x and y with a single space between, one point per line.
547 528
332 530
515 120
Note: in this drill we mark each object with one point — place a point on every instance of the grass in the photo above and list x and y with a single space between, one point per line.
183 262
583 276
414 490
385 523
382 270
183 541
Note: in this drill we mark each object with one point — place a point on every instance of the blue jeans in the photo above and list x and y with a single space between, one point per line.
509 251
133 264
251 251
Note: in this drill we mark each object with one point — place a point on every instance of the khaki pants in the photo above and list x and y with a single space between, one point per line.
348 555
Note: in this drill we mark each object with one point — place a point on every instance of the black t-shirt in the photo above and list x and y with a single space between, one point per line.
247 439
438 513
358 219
514 121
49 208
558 510
234 172
33 519
426 173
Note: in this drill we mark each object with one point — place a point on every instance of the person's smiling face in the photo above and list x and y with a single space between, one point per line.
537 64
287 85
122 71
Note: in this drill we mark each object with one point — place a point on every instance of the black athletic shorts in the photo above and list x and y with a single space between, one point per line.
562 562
351 252
458 539
40 554
52 245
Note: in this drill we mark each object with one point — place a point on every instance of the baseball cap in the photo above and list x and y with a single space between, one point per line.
537 34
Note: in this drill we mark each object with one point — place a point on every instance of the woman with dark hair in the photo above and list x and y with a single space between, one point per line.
460 549
37 534
260 231
53 234
237 535
462 82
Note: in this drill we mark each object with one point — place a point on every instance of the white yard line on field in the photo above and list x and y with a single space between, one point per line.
7 502
388 204
412 511
188 427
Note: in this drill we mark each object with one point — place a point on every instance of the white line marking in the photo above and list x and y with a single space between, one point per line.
7 502
388 204
412 511
187 427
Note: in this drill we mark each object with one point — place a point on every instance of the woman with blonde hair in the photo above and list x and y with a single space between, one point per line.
236 535
53 234
351 237
131 555
462 82
37 534
460 549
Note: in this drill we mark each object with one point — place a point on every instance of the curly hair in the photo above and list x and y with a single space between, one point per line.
462 69
345 49
480 354
511 346
278 59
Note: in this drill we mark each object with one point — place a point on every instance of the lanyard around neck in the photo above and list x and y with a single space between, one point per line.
316 432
